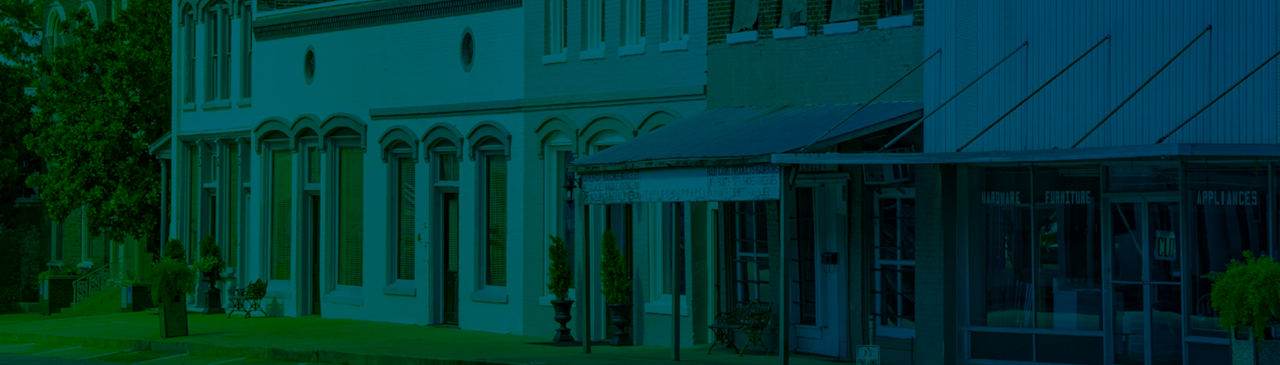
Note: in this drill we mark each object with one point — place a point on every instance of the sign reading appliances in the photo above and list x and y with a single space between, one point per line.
1210 197
684 184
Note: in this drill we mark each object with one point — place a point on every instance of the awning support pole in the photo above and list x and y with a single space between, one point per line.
784 290
1224 93
1033 93
953 97
584 285
1144 84
675 293
864 105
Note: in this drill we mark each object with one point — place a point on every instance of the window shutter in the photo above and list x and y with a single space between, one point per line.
497 219
313 165
350 216
233 206
281 213
843 10
406 226
193 218
745 13
790 7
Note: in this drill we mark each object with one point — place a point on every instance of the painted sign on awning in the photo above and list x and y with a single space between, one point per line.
683 184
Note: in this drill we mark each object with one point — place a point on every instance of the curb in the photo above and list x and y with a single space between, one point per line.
266 353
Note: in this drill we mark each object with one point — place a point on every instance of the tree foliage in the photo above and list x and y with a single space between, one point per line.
614 283
1248 294
19 32
561 276
105 98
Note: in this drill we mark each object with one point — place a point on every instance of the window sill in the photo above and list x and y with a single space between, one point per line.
895 22
341 296
663 305
553 58
672 46
790 33
219 104
742 37
279 289
189 107
593 54
631 50
401 287
244 102
492 294
848 27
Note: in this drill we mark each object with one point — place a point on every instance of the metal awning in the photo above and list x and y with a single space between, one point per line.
1181 150
746 135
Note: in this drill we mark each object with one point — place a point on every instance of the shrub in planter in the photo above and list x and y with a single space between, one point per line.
1248 294
210 266
561 280
170 281
174 250
616 287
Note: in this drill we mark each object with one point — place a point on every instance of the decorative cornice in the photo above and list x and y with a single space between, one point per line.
371 14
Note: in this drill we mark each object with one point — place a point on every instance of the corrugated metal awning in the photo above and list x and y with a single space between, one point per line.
750 133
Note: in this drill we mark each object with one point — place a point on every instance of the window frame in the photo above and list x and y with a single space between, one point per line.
760 214
438 151
555 166
217 30
878 264
268 181
332 147
634 23
557 31
246 50
663 232
189 59
395 160
489 147
594 18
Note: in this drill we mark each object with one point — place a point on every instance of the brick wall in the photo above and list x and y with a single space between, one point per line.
61 294
720 16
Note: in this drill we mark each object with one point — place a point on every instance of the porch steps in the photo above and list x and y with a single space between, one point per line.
105 302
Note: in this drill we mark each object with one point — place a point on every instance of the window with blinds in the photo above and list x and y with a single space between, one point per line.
281 217
233 206
451 230
350 216
496 220
313 165
193 201
405 214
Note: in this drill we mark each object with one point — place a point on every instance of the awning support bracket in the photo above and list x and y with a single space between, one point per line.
1033 93
1215 100
1144 84
864 105
953 97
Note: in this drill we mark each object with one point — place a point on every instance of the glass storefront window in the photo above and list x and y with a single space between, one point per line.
1142 178
1227 206
1067 236
1004 263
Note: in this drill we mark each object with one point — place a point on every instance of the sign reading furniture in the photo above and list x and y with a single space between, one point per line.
683 184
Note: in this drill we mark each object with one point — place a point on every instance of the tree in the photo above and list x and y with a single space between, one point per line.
105 97
19 31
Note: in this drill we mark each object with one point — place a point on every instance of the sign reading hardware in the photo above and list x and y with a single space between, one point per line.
1209 197
868 355
1166 246
683 184
1001 197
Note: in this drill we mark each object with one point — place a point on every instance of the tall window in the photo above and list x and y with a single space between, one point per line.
672 244
404 177
218 48
494 206
677 20
281 212
233 205
895 268
350 216
246 50
193 200
751 251
595 25
634 22
189 56
560 218
556 33
446 186
54 36
896 7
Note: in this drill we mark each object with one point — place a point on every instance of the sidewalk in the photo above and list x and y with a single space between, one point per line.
339 341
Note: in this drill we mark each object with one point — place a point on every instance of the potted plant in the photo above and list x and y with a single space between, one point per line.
171 280
616 287
210 266
1247 298
131 287
561 280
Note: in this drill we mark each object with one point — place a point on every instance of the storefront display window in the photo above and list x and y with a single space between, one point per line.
1067 236
1142 177
1006 266
1227 206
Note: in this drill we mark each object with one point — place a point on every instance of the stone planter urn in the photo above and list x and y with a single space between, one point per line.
621 319
213 296
563 308
173 318
1247 350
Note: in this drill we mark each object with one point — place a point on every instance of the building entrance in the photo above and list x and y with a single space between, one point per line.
1145 281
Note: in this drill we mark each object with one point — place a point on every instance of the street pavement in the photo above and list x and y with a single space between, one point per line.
312 339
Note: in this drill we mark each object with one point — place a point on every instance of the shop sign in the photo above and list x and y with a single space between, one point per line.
1001 197
1166 246
683 184
868 355
1211 197
1068 197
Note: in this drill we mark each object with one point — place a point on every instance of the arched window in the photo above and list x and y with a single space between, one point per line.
189 55
93 13
55 36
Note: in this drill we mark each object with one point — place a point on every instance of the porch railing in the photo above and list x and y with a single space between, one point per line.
93 283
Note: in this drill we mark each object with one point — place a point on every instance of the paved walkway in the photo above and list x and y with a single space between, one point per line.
338 341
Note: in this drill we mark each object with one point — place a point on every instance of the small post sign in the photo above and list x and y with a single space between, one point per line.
1166 246
868 355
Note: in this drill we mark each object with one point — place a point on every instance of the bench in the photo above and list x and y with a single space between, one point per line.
751 319
250 296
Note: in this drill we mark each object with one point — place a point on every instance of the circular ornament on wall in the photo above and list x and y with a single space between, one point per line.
467 50
309 66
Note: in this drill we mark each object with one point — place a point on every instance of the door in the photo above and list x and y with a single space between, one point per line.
1145 282
313 247
816 271
449 251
